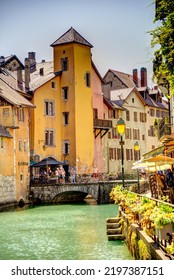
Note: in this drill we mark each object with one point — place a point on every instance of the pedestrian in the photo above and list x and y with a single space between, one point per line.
170 184
95 171
73 175
61 175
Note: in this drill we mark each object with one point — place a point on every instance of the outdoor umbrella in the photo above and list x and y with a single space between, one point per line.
47 161
160 160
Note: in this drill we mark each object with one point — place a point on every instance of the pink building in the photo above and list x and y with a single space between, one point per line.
101 122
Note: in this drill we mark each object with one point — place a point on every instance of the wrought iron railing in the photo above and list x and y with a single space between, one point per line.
165 127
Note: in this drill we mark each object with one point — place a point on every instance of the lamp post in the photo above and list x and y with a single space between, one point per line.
137 148
121 129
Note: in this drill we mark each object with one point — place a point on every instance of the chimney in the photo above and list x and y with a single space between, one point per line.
135 77
41 71
32 60
27 74
143 77
19 78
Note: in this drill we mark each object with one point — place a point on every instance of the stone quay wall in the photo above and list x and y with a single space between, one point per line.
7 191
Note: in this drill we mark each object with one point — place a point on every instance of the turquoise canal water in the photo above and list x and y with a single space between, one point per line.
59 232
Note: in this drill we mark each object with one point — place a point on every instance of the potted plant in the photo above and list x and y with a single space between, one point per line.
163 219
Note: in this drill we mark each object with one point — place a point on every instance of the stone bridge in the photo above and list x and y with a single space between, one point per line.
55 193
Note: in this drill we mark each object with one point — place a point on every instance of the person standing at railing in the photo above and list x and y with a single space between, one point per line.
95 171
61 175
73 175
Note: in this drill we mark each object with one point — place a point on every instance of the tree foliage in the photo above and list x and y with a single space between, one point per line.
163 41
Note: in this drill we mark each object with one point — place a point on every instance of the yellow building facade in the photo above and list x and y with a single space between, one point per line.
62 123
14 144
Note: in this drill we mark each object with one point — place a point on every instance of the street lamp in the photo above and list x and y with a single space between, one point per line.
137 148
121 129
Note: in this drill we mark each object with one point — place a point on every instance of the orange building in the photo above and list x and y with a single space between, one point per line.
14 142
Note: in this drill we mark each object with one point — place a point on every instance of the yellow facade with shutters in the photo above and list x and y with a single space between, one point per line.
79 130
72 121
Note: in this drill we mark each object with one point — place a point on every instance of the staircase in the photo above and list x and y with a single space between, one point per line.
114 229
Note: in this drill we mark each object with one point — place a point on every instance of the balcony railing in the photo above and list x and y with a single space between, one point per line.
101 127
166 128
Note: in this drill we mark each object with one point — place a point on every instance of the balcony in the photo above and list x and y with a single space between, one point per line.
166 129
101 127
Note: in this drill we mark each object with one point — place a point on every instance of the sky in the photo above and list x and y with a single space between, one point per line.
117 29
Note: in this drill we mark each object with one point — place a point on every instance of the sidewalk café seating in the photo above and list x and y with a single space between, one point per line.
158 186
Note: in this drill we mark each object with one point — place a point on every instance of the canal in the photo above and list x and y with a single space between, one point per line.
59 232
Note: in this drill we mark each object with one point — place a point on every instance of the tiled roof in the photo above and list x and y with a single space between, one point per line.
71 36
12 96
124 78
10 78
110 103
4 132
37 80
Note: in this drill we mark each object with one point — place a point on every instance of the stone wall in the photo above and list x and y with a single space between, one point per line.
133 234
7 190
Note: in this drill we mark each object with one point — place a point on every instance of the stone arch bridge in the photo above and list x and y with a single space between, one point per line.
52 193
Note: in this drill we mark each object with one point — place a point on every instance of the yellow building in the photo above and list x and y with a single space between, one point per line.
14 142
62 123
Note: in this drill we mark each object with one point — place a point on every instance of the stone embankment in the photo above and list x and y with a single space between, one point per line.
114 229
119 228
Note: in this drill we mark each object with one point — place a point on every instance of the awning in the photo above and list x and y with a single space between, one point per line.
160 160
47 161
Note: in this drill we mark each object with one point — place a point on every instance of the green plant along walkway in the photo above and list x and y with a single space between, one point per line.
155 220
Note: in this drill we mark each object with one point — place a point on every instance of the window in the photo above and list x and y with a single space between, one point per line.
158 113
114 133
152 112
151 131
49 137
2 142
133 100
25 146
88 79
118 153
136 134
129 155
135 117
128 134
49 108
112 153
64 64
95 113
65 118
136 155
6 112
20 145
143 137
53 85
109 135
21 114
143 117
66 147
64 93
111 114
127 115
21 177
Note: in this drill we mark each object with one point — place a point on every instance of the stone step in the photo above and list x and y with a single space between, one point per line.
114 231
112 225
115 237
113 220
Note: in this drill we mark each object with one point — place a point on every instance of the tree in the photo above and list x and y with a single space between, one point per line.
163 39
